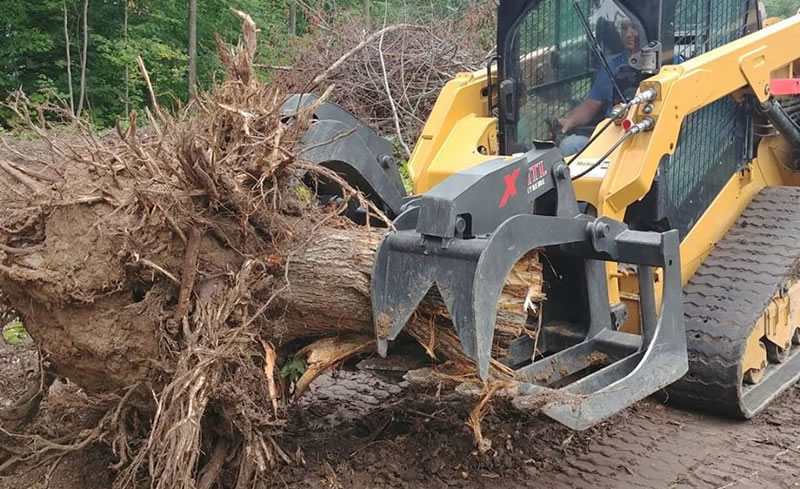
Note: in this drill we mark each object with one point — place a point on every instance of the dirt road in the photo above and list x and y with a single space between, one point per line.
651 446
411 440
661 447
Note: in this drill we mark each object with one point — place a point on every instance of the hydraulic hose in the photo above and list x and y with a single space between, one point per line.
646 124
786 126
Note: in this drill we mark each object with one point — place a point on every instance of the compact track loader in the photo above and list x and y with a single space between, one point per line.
650 150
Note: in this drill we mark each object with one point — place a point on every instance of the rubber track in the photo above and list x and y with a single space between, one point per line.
727 295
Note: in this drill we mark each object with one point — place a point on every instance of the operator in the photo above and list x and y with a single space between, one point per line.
601 97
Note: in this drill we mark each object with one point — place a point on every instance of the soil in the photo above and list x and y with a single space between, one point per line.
362 429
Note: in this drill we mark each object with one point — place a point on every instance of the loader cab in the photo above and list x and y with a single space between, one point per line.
550 60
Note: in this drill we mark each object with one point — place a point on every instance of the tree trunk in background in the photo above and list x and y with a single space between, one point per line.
192 48
127 72
366 12
69 62
84 54
293 18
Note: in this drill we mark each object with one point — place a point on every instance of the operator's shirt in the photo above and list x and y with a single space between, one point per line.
603 89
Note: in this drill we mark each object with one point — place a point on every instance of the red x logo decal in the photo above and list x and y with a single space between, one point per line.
511 187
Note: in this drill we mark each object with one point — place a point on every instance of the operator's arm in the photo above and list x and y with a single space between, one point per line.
586 112
581 115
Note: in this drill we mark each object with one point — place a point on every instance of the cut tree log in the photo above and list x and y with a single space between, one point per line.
329 291
112 340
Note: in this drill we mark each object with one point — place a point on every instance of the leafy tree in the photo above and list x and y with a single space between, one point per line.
33 48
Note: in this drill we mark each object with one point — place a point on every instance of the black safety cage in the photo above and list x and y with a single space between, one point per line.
559 67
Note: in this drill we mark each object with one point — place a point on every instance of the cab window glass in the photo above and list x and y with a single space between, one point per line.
557 68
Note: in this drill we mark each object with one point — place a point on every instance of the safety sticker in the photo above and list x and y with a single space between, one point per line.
582 164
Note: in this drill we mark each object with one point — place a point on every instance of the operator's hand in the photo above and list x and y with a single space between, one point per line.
566 125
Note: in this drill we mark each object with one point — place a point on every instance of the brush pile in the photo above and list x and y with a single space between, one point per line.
393 80
171 272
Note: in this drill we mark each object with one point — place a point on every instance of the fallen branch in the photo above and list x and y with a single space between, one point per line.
19 176
388 91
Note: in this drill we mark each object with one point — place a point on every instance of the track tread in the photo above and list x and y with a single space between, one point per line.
729 292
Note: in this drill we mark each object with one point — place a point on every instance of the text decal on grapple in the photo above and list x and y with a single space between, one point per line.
536 174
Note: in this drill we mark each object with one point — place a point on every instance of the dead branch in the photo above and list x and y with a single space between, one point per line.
19 176
369 40
150 91
388 91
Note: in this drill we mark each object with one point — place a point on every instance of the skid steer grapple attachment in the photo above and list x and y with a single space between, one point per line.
464 237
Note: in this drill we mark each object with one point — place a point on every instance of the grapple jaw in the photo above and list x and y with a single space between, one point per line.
338 141
466 235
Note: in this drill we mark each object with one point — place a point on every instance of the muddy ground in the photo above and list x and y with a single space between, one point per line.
357 430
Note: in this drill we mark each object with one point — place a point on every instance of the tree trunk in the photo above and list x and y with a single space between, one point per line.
293 18
84 55
366 12
69 62
127 69
112 341
192 48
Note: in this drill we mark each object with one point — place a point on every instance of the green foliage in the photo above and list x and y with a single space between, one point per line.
14 333
781 8
304 193
401 158
408 183
293 368
33 47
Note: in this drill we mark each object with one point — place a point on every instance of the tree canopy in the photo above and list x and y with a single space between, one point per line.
33 51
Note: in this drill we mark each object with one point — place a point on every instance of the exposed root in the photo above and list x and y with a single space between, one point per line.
22 411
20 176
327 352
477 414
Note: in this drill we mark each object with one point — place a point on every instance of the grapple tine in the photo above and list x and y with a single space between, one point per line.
406 269
399 283
455 287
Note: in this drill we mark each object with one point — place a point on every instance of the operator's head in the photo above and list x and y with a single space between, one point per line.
630 36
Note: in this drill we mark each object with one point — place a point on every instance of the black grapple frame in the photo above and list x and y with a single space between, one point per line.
465 235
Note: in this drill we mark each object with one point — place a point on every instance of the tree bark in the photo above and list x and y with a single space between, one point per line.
84 55
293 18
69 62
329 287
192 48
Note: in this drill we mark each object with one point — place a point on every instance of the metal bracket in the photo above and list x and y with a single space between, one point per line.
648 60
